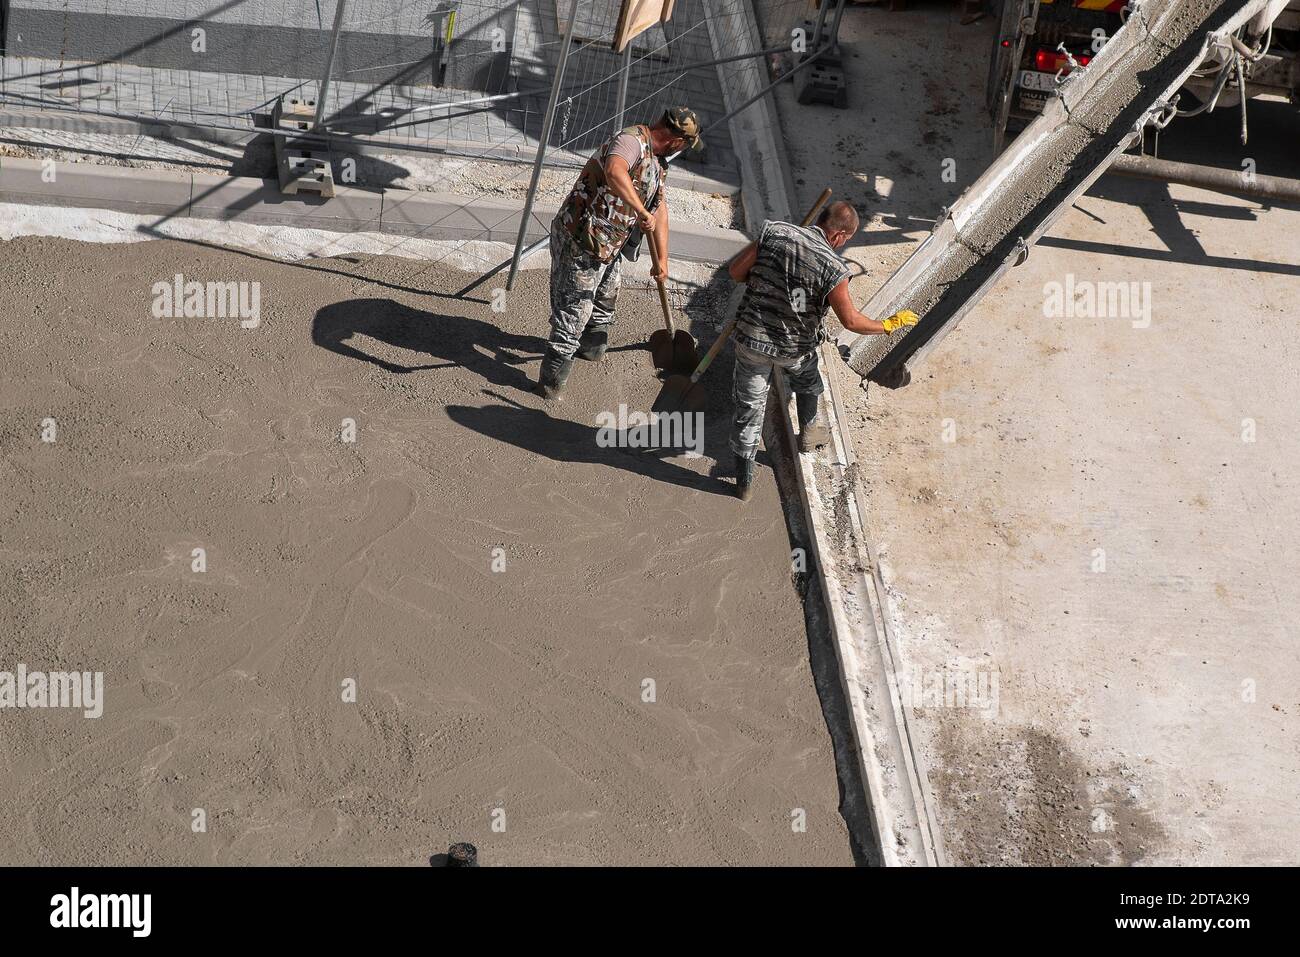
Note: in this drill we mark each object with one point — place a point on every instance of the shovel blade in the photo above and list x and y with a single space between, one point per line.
670 396
694 399
680 394
662 349
685 355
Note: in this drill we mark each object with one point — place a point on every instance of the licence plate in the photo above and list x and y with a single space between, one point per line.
1027 101
1033 80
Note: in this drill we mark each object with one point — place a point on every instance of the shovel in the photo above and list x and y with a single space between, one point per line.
672 349
682 393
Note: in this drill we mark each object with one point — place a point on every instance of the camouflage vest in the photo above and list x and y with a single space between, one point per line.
593 214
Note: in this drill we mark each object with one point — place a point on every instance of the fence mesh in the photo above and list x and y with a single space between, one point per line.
469 78
399 63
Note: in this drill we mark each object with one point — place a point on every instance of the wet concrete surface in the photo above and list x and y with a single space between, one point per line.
562 652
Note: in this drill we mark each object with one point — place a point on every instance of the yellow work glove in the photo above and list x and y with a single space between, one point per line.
904 317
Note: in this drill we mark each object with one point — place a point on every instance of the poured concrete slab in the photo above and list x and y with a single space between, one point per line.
562 651
70 184
248 200
259 202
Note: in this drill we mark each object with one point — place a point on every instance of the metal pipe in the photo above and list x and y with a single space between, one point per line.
726 59
565 44
1207 177
1213 101
821 20
835 24
1241 91
339 7
622 86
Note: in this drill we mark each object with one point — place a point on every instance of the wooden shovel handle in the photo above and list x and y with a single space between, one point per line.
663 301
714 349
727 329
663 293
817 207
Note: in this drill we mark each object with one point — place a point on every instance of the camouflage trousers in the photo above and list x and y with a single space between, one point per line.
753 380
583 291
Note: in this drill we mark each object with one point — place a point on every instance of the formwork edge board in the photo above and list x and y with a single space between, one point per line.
898 814
917 778
846 653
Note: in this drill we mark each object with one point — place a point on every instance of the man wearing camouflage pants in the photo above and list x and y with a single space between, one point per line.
620 188
792 274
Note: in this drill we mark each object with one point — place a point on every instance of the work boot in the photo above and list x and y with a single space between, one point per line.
813 433
555 372
593 344
744 477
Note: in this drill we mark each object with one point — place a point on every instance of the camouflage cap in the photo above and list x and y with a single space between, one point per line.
683 121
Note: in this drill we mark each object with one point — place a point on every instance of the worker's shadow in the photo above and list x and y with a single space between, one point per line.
706 304
457 341
561 440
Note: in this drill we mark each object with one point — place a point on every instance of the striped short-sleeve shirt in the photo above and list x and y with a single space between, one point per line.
785 295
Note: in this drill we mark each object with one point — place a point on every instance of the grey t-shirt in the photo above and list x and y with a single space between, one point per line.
628 147
785 294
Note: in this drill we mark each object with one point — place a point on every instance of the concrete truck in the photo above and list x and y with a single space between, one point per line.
1040 42
1167 57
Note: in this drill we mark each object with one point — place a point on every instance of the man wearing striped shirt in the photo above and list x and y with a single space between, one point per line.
792 274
